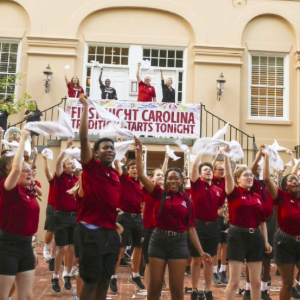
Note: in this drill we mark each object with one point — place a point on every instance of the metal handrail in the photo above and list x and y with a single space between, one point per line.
211 123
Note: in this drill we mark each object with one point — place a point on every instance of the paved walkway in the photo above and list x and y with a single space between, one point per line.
42 289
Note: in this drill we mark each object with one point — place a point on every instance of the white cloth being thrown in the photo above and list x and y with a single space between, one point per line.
171 153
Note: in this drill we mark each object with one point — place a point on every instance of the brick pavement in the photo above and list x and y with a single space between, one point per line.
42 289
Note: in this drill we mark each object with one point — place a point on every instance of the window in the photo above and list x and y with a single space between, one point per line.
268 86
108 55
8 66
164 58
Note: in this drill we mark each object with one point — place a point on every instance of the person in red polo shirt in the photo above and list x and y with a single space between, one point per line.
208 199
247 234
287 238
66 209
131 199
168 242
74 87
99 242
146 91
19 217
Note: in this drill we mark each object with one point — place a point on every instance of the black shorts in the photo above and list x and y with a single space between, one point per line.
98 253
286 251
76 243
271 232
133 229
167 247
49 222
223 227
145 244
243 245
208 234
16 254
65 224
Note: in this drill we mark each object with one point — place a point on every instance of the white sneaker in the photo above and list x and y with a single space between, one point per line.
47 255
74 272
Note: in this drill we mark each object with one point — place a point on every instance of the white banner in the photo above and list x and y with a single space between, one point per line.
143 118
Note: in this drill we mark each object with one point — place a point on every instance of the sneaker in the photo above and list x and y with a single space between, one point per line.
194 295
201 295
142 273
55 285
187 271
74 272
297 277
295 294
265 295
297 287
51 264
216 278
247 295
223 277
277 272
113 285
269 281
47 255
67 282
137 281
208 295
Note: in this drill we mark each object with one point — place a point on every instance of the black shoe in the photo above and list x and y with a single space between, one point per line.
223 277
277 272
194 295
216 278
265 295
201 295
67 282
187 271
297 277
55 285
295 294
142 273
247 295
202 266
297 287
208 295
51 264
269 281
137 281
113 285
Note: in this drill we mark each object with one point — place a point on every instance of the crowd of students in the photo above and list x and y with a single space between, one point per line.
146 92
94 213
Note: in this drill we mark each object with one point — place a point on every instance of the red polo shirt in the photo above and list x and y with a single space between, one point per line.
219 183
288 212
149 217
63 201
74 91
260 188
102 189
245 208
131 197
146 92
19 211
207 200
175 215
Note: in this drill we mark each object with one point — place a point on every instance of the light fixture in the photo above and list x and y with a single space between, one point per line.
220 86
47 78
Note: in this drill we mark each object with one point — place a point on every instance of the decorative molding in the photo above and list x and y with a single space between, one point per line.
268 122
218 50
57 42
213 62
42 53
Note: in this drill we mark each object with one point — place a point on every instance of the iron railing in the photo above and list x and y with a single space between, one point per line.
211 123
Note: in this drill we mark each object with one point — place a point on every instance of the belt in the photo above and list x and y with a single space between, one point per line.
131 215
14 237
171 233
69 213
288 236
242 229
208 223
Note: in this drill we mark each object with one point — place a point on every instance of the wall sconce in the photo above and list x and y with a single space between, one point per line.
220 86
47 78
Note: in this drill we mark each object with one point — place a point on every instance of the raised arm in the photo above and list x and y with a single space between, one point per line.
48 174
118 167
195 171
254 167
13 177
138 78
86 151
229 180
148 184
161 75
272 187
165 164
59 166
296 167
100 77
37 189
216 158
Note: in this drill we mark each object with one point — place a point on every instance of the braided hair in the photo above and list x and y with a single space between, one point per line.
181 189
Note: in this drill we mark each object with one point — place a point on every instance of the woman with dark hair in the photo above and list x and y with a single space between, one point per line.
247 234
168 243
287 238
74 88
19 216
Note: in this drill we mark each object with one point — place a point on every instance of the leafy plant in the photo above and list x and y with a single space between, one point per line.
14 105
